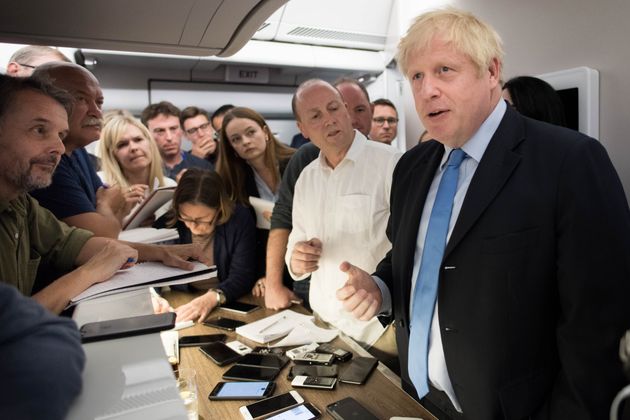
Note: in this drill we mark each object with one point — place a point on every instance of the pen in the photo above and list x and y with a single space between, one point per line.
272 324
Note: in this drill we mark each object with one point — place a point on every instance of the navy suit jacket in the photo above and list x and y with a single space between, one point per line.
234 251
533 310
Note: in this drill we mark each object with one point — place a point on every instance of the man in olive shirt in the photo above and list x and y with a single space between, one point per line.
33 124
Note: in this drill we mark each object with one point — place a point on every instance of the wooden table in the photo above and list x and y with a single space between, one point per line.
381 394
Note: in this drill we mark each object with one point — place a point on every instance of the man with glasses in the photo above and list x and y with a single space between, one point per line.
200 132
25 60
162 120
384 121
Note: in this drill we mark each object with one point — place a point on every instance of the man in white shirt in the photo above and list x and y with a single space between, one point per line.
341 202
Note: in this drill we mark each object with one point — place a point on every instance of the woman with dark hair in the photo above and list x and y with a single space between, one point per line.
251 159
204 214
251 163
535 98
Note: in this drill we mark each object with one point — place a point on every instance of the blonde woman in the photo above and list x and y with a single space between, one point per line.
130 159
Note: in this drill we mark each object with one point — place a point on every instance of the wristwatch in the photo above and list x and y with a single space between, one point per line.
220 296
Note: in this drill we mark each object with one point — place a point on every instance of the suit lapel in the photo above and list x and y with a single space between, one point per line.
495 168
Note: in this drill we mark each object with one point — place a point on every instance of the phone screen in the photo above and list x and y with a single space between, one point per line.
241 307
358 371
241 389
219 353
251 373
266 360
301 412
224 323
198 340
272 404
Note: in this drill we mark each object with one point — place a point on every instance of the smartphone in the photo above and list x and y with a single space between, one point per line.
239 307
271 405
304 411
251 373
313 370
223 323
358 371
242 390
126 327
349 408
200 340
314 382
219 353
266 360
312 358
341 355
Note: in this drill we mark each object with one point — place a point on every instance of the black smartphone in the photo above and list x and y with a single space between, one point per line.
239 307
264 408
349 408
313 370
251 373
242 390
223 323
304 411
314 382
200 340
358 370
341 355
266 360
126 327
219 353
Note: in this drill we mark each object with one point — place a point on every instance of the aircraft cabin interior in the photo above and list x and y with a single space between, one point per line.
255 53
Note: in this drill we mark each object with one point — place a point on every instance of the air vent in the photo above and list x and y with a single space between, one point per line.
263 26
304 31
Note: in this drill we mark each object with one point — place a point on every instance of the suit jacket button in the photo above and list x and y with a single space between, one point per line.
401 323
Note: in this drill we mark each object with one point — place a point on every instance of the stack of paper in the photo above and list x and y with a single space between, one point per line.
283 323
148 235
148 274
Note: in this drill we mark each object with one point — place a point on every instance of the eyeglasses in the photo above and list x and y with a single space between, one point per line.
382 120
27 65
193 130
197 222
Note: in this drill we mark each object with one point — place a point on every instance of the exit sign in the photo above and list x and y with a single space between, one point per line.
246 74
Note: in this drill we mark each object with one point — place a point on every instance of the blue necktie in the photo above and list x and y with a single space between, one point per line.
427 282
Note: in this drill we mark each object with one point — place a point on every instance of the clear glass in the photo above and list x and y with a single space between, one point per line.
187 386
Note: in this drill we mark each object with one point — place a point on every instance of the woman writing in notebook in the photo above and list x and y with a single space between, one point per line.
204 214
130 158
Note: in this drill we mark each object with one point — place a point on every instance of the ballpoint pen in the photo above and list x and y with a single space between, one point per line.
272 324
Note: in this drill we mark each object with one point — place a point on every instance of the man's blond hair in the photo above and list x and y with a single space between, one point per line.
462 30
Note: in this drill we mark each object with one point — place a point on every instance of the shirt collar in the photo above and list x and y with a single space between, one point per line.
476 146
357 146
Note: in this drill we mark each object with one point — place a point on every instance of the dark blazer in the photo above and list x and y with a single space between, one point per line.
262 235
533 310
234 251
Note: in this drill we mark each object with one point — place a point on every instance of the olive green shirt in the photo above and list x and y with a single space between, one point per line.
30 234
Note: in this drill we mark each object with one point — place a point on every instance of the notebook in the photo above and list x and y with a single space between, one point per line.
144 210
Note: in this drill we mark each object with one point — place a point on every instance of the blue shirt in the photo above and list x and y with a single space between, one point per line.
73 188
188 161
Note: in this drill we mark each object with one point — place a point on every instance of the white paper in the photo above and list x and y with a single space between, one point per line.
261 206
148 235
145 209
307 332
272 327
144 275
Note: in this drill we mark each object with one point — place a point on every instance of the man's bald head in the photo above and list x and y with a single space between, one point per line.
85 119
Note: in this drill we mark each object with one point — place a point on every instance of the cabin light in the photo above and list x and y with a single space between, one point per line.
90 62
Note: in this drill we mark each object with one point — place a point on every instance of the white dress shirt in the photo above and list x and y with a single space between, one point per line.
474 148
347 208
